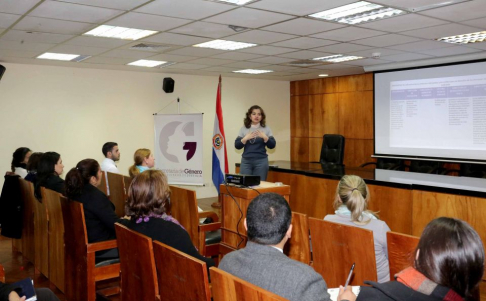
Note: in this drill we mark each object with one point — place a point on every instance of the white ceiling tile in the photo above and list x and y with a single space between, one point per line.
97 42
440 31
402 23
304 54
386 40
368 62
187 9
303 26
298 8
272 60
284 68
455 50
18 7
259 37
53 26
248 17
407 57
267 50
237 56
477 45
172 57
75 49
18 53
74 12
480 23
211 61
35 37
348 34
205 29
146 21
284 73
6 20
220 69
196 51
175 39
122 53
332 66
383 52
108 60
186 66
116 4
421 45
342 48
409 4
468 10
14 45
304 43
246 65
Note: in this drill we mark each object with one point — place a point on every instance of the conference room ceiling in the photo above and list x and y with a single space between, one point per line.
281 28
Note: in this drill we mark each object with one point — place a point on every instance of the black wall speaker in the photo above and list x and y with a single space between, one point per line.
2 71
168 85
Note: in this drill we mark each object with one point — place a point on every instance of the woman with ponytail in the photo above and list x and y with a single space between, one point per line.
351 205
49 169
144 159
99 213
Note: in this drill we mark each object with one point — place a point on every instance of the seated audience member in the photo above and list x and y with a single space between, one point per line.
144 159
112 154
19 161
449 265
99 213
8 292
351 205
148 196
32 167
49 169
262 261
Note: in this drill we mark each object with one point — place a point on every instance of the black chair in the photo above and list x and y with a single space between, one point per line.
386 163
473 170
332 151
431 167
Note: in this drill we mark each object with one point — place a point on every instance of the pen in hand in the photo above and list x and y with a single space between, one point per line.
349 276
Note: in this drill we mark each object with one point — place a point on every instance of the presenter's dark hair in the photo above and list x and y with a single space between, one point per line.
79 176
268 218
45 169
34 161
247 119
148 194
108 147
18 157
451 253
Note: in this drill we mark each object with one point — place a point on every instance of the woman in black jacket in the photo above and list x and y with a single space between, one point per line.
49 169
99 213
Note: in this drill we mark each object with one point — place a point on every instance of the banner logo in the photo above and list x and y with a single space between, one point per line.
173 140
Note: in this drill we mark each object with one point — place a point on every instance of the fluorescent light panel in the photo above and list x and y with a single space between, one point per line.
237 2
146 63
58 56
475 37
117 32
323 75
358 12
252 71
225 45
338 58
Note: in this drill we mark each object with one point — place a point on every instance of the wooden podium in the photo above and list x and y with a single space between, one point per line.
232 217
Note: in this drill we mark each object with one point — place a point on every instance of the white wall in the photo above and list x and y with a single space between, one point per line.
73 111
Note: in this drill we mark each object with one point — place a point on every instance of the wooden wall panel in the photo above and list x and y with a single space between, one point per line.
356 115
299 116
319 197
315 146
323 85
358 151
296 183
299 88
323 115
394 206
299 149
361 82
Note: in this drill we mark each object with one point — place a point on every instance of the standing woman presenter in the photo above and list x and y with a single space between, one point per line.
254 137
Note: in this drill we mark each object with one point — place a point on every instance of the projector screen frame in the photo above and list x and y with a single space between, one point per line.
409 157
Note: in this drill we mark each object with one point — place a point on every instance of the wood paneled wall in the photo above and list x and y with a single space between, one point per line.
337 105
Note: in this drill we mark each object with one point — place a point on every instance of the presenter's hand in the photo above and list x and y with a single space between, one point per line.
263 136
250 135
346 294
13 296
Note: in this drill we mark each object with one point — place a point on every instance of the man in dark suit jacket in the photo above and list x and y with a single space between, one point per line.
262 261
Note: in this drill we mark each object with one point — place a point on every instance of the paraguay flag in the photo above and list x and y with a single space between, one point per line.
220 157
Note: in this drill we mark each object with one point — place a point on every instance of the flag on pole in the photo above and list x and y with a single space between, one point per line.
220 157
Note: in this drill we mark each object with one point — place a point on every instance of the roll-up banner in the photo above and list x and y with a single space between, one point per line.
179 148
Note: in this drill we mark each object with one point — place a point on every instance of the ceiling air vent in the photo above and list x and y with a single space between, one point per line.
304 63
150 47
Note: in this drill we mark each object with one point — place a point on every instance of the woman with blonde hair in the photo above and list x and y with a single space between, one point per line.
351 205
144 159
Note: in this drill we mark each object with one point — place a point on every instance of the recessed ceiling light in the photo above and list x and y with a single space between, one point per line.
475 37
146 63
338 58
323 75
117 32
58 56
358 12
225 45
237 2
252 71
